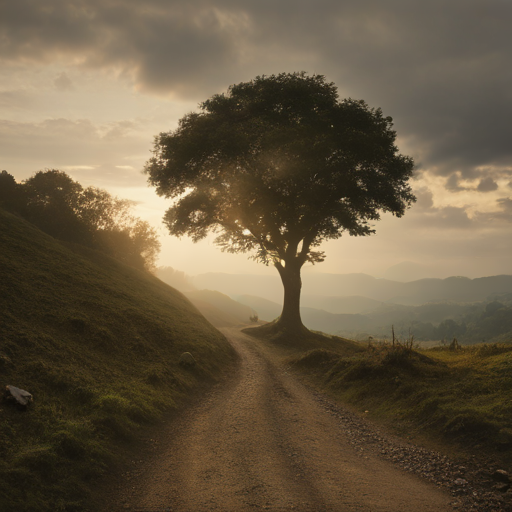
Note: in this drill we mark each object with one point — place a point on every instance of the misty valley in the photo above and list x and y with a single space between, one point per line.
429 310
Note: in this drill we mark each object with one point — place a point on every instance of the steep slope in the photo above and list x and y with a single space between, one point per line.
214 315
98 344
219 309
266 309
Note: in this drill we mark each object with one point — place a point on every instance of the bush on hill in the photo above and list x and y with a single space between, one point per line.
62 208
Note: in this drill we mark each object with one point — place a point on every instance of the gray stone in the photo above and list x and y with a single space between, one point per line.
500 475
187 360
18 396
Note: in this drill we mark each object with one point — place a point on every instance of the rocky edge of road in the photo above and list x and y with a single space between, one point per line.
477 485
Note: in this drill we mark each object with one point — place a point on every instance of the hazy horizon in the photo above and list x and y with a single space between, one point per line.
396 272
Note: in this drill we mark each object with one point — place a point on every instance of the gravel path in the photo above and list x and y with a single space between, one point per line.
265 441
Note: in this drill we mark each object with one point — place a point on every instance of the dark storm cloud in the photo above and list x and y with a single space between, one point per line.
166 46
487 185
441 69
452 183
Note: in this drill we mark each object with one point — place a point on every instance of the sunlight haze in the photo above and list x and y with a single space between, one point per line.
85 87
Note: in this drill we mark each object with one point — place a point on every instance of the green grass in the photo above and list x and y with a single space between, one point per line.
97 343
458 399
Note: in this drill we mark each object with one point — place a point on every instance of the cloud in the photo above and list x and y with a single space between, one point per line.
15 100
441 69
453 183
505 204
486 216
165 47
447 218
63 83
497 217
425 217
487 185
97 154
424 200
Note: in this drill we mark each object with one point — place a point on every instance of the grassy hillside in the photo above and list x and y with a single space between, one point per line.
462 397
97 344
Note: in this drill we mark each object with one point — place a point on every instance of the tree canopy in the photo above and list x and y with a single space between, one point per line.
90 216
278 165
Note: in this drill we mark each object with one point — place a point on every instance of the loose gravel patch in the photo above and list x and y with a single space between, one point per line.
479 485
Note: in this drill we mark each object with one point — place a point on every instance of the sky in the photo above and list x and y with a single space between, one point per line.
85 86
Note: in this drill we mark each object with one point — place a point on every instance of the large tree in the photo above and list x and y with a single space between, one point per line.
277 165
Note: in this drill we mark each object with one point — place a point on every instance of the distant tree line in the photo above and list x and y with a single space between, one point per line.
90 216
487 321
481 322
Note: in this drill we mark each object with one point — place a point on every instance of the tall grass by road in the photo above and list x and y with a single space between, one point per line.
459 396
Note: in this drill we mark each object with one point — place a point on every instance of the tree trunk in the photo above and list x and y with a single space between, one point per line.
290 319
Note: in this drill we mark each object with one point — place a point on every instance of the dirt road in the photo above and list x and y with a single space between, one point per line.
262 441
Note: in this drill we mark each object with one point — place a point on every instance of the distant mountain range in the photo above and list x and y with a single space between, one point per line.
357 293
406 271
352 304
359 305
469 322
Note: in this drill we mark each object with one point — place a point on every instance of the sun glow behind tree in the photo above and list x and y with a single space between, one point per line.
277 166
